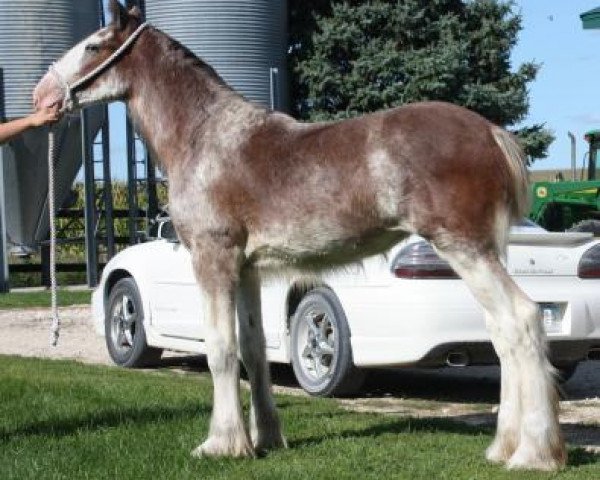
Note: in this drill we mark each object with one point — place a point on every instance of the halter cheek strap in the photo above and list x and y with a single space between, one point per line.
69 90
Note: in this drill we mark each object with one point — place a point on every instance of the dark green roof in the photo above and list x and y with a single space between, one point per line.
591 19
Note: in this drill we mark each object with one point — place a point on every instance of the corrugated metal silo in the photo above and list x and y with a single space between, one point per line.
34 34
244 40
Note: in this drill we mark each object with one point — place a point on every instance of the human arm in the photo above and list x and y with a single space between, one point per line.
13 128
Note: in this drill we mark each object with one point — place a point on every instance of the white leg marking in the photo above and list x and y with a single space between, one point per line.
227 435
265 428
541 445
509 412
528 429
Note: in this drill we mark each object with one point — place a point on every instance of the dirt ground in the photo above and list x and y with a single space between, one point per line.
469 395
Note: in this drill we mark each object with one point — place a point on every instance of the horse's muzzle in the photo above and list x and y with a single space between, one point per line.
47 93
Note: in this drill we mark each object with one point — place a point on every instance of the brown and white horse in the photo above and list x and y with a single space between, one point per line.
254 191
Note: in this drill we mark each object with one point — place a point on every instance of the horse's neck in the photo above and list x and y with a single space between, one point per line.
179 108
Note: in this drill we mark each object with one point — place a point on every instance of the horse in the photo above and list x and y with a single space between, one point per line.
253 192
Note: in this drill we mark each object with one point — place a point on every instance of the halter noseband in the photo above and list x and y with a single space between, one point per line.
69 90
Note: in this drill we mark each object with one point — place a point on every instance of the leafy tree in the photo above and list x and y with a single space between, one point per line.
358 56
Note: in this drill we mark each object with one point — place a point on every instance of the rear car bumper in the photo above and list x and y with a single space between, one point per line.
411 323
561 353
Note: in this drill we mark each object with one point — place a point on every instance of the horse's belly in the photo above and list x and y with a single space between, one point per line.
320 251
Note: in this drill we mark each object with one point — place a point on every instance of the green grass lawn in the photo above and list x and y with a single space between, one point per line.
67 420
42 298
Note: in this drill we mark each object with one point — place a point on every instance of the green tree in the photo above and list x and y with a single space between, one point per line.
356 56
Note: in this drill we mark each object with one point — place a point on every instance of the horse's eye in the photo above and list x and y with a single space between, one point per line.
92 48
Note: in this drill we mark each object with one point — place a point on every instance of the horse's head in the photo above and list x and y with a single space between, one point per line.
66 85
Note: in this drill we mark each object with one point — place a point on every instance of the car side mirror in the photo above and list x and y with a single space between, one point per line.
167 232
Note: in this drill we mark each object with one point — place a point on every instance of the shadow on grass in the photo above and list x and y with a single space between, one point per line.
60 426
395 426
467 386
578 456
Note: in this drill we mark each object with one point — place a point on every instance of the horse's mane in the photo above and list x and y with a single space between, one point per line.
181 56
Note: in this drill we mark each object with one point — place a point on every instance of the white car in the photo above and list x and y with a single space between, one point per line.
403 309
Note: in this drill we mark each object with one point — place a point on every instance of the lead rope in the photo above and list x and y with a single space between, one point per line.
68 93
51 214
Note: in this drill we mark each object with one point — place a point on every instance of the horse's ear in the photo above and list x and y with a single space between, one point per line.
136 13
119 14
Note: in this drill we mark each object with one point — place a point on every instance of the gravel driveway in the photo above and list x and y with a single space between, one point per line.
26 332
469 395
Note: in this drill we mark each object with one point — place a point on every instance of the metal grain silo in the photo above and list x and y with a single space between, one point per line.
34 34
244 40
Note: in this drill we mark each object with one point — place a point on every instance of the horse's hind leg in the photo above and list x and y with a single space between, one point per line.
509 413
528 430
216 270
264 422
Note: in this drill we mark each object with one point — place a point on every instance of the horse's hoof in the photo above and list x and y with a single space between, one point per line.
526 458
499 451
214 447
270 442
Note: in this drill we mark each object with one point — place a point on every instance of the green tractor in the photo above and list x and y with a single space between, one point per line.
572 205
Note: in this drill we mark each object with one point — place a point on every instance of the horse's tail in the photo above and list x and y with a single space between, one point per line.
516 162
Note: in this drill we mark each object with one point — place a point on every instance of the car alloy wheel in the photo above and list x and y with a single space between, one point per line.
124 327
320 346
123 324
316 344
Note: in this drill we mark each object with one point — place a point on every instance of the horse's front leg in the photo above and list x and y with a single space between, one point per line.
216 269
265 429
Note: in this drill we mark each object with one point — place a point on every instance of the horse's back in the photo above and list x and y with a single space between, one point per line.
423 167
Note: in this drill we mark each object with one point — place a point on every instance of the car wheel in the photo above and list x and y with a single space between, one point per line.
124 327
565 372
320 346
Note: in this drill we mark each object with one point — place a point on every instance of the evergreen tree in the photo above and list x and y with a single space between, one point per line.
351 57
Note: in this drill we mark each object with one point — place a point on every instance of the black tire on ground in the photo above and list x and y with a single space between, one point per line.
320 347
565 372
590 226
124 327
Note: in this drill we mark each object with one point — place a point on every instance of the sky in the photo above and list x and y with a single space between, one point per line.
565 95
118 145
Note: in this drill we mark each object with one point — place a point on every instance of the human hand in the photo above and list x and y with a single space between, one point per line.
45 116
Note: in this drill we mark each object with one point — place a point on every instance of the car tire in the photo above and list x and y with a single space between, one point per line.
588 226
565 372
320 346
124 327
